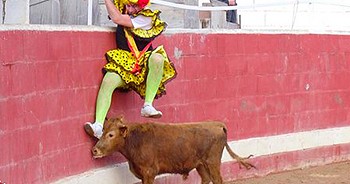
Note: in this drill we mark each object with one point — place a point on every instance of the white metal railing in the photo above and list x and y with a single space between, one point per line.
37 3
239 7
89 12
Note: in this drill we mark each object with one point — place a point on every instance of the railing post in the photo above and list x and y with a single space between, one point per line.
89 22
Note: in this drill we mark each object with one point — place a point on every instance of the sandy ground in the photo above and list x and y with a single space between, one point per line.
337 173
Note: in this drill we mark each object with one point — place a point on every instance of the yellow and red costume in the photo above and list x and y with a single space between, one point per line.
134 47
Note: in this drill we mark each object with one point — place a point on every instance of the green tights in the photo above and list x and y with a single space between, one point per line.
112 80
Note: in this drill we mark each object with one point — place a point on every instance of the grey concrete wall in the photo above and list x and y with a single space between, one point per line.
76 12
73 12
44 12
172 16
191 16
2 13
14 11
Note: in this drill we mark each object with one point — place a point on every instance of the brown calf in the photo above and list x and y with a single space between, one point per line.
156 148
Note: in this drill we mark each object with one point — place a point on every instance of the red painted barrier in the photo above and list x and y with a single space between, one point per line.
259 84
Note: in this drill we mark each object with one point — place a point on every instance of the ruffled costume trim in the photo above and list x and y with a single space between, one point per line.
157 28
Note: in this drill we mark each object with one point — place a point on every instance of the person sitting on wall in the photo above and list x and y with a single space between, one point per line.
135 64
231 15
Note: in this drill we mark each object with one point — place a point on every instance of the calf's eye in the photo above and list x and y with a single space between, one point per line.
110 135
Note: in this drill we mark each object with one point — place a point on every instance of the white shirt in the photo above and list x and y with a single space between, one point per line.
142 22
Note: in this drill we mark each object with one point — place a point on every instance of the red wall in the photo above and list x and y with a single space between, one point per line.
256 83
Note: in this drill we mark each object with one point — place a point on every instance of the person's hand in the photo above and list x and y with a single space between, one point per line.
232 2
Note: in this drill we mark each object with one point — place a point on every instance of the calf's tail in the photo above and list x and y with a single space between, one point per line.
241 160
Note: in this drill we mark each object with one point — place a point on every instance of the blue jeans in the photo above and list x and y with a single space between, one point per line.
231 16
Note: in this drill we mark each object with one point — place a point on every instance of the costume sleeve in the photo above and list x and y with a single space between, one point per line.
157 25
142 22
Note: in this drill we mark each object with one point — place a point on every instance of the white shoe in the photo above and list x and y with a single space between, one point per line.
94 129
149 111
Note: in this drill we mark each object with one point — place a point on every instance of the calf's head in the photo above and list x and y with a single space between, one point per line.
113 138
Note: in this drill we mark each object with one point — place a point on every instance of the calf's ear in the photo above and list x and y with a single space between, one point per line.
123 130
121 118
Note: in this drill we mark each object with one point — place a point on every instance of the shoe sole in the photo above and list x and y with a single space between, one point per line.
89 130
152 116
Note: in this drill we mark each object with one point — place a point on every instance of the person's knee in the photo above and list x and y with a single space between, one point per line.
112 80
109 77
157 59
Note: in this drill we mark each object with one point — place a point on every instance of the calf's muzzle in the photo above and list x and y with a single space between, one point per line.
96 152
